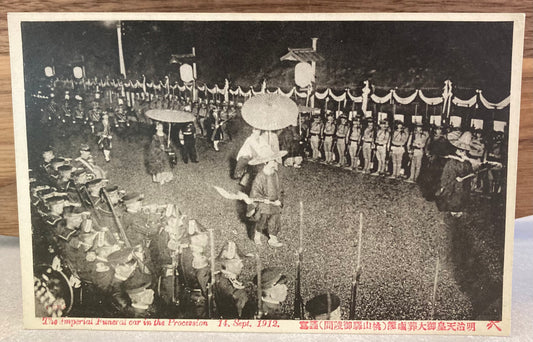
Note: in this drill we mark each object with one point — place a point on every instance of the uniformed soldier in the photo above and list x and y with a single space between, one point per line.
342 138
195 273
202 115
94 114
86 162
328 134
138 225
52 110
368 145
355 142
46 165
79 112
55 164
189 144
142 298
63 182
325 306
398 142
105 137
93 192
66 109
231 297
417 147
274 292
69 227
381 143
315 133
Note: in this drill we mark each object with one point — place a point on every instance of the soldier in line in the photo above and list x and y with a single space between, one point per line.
274 292
355 143
381 143
399 139
341 135
417 147
231 297
368 145
328 134
138 225
315 132
104 140
202 116
318 307
86 162
46 164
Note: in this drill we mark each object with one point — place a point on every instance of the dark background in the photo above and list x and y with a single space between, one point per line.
406 55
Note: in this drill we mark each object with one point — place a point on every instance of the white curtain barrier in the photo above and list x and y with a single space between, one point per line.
328 94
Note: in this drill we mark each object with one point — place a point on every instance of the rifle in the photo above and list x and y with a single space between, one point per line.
121 229
92 203
298 301
259 312
212 282
357 274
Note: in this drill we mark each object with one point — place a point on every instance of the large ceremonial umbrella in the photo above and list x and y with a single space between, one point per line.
170 116
270 112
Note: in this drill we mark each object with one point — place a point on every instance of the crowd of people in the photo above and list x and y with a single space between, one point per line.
416 155
125 258
137 260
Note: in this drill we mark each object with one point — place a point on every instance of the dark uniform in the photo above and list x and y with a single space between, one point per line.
189 144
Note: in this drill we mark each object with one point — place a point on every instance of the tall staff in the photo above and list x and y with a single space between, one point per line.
357 275
298 301
212 282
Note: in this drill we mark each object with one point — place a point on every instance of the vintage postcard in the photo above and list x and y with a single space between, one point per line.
317 173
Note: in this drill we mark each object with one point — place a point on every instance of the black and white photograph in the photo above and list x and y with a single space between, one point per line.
295 173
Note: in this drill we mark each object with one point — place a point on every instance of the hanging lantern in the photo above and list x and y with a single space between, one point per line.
49 71
186 73
78 72
303 74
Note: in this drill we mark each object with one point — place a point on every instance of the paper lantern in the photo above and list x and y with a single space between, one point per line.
399 117
78 72
455 121
382 116
49 71
303 74
499 126
477 123
435 120
416 119
186 73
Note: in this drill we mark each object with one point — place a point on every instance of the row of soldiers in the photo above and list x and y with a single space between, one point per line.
363 145
90 107
123 258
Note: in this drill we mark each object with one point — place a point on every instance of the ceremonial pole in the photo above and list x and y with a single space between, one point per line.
120 51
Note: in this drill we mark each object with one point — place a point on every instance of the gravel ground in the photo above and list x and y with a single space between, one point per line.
402 233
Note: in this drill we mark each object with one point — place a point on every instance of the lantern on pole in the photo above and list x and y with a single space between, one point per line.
303 74
187 71
305 70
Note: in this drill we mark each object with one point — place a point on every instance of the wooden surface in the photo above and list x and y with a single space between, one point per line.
8 202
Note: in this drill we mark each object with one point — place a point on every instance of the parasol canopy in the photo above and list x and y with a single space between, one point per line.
171 116
270 112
